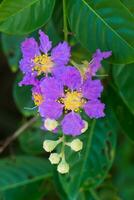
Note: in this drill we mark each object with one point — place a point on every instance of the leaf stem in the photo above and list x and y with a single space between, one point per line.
65 21
17 133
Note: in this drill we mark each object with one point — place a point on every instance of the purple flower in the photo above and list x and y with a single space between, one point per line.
95 63
68 96
37 59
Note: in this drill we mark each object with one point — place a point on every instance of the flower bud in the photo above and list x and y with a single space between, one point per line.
63 167
54 158
85 126
49 145
50 124
76 145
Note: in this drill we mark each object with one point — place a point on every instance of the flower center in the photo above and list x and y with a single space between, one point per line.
43 64
38 99
73 101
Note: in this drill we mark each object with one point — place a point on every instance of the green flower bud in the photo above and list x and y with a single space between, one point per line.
63 167
54 158
49 145
76 145
50 124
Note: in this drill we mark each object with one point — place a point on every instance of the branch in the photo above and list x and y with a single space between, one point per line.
17 133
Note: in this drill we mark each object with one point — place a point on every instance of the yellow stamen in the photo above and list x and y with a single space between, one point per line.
43 64
38 99
73 101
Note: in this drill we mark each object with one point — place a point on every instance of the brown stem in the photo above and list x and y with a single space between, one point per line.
17 133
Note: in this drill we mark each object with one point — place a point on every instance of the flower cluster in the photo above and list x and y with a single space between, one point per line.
60 91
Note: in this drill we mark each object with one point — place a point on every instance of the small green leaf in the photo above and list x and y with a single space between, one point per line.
103 24
21 170
23 98
21 17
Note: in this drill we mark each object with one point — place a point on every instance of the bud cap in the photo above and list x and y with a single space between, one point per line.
63 167
50 124
49 145
76 145
54 158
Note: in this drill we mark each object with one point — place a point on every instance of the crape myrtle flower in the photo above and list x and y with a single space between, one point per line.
95 63
68 95
37 59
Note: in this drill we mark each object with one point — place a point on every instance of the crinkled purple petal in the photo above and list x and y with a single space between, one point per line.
45 43
97 57
50 109
70 77
51 88
72 124
91 89
94 109
26 65
29 79
30 48
61 53
58 71
100 55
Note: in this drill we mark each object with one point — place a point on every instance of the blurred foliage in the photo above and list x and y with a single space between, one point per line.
25 172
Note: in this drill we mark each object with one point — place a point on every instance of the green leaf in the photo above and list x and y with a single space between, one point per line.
11 48
123 76
31 140
34 191
103 24
129 4
21 17
23 98
22 170
90 166
123 114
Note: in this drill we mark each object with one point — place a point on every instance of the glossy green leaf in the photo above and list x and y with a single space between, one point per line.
34 191
129 4
123 114
103 24
124 79
21 17
11 48
89 167
23 98
31 140
22 170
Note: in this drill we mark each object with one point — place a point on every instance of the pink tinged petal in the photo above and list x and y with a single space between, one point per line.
72 124
45 43
50 109
71 78
92 89
61 53
51 88
30 48
94 109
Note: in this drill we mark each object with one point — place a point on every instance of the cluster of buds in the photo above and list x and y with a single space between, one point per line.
59 158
